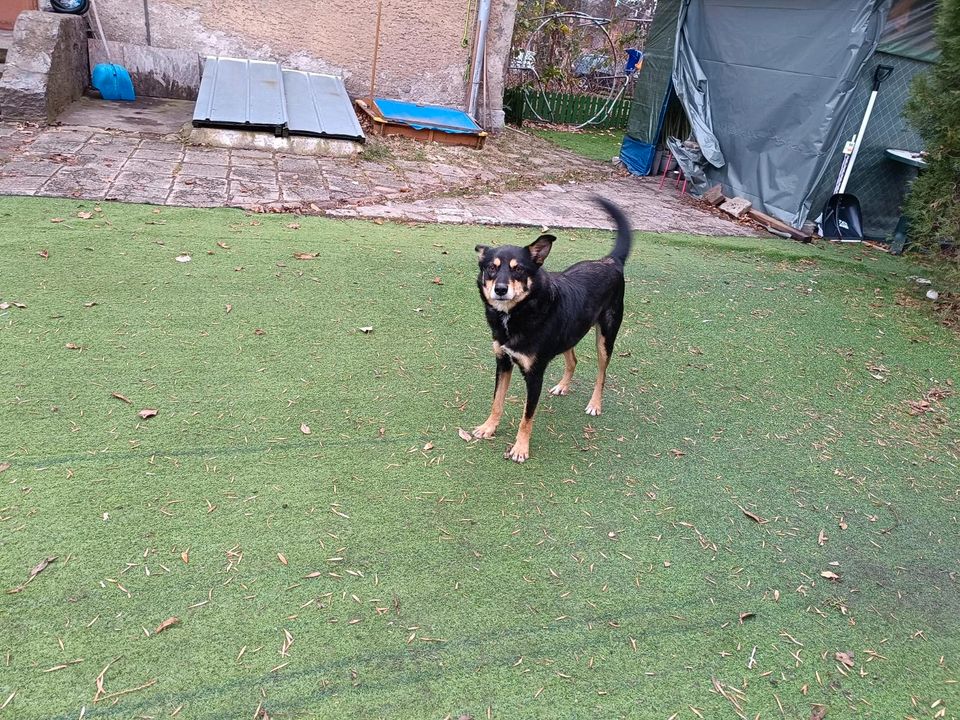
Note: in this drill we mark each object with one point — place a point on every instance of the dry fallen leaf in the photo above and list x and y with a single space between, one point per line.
305 256
753 516
185 556
846 658
90 304
282 558
259 331
183 258
19 305
72 346
4 466
229 308
437 281
223 245
4 306
366 330
36 570
168 623
829 575
118 396
311 576
821 539
293 226
41 566
818 712
304 428
745 616
56 220
147 413
83 215
44 254
464 435
428 446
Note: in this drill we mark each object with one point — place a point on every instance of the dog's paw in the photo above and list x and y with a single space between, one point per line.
593 408
517 452
560 389
484 431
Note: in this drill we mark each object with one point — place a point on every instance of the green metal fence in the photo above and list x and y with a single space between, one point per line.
520 103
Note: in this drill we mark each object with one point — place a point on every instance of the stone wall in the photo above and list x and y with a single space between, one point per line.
419 44
47 67
424 49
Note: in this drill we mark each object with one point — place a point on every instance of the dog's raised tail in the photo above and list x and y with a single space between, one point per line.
621 248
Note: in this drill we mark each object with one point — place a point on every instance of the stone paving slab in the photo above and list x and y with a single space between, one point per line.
395 179
649 209
38 161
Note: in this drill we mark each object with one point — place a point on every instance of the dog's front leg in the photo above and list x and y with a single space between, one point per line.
520 450
504 371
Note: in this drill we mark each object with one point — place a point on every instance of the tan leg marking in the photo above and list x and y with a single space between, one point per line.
595 406
489 427
569 365
520 450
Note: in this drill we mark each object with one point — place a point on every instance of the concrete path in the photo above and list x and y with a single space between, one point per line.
94 164
136 153
649 208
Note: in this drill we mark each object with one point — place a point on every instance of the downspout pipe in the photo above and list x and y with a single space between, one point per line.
483 22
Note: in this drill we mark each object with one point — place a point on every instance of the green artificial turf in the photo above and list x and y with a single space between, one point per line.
757 433
602 145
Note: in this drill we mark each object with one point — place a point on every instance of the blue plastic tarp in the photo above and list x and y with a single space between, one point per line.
427 117
637 156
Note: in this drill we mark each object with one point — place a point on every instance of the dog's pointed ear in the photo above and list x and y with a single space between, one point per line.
540 248
481 251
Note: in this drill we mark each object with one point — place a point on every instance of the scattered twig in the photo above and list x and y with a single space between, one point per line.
118 693
8 700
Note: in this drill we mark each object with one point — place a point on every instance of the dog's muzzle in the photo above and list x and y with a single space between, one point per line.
499 292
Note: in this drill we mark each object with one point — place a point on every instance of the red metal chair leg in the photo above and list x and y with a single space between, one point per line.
664 176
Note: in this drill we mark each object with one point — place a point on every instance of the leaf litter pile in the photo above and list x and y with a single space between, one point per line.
265 512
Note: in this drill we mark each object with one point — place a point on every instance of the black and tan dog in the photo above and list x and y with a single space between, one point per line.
536 315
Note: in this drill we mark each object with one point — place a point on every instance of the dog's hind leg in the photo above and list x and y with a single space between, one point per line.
504 371
569 365
607 329
520 450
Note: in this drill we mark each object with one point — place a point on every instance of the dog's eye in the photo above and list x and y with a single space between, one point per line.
491 271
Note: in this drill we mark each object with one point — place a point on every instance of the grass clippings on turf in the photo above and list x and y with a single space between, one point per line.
763 521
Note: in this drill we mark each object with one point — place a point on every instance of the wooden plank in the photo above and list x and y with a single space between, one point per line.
778 225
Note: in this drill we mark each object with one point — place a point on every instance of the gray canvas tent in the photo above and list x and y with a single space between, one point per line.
771 88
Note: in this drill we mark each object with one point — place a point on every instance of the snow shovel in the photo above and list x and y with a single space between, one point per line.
111 80
842 219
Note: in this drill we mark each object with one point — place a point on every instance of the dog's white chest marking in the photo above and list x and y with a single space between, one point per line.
522 359
505 319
